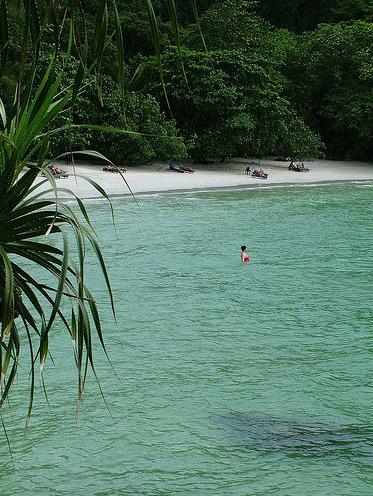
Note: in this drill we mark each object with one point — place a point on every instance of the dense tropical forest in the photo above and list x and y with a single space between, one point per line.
220 78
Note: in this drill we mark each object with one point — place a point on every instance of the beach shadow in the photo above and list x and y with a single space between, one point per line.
267 434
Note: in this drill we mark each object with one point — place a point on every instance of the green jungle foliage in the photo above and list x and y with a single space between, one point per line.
224 78
330 74
236 109
305 15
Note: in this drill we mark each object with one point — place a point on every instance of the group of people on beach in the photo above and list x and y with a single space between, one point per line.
257 172
298 167
57 172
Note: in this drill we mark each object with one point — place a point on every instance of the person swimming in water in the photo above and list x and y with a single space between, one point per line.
244 255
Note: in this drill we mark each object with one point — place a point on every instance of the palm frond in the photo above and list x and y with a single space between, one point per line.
29 212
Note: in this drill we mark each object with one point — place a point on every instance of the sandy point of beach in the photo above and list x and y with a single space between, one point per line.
155 178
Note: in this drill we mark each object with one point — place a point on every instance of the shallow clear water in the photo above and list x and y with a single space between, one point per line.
235 380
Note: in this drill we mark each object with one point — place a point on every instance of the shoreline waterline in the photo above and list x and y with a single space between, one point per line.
172 192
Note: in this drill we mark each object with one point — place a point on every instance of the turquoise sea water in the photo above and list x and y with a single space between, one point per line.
235 380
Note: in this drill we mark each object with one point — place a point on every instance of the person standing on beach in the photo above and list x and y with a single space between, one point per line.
244 255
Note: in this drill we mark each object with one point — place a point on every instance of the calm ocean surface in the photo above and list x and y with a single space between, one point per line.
234 380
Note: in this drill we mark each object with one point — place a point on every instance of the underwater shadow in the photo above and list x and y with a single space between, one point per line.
265 433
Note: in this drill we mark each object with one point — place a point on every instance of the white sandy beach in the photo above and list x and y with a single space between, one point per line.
155 178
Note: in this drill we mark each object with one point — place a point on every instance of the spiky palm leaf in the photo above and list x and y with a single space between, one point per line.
25 218
32 221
